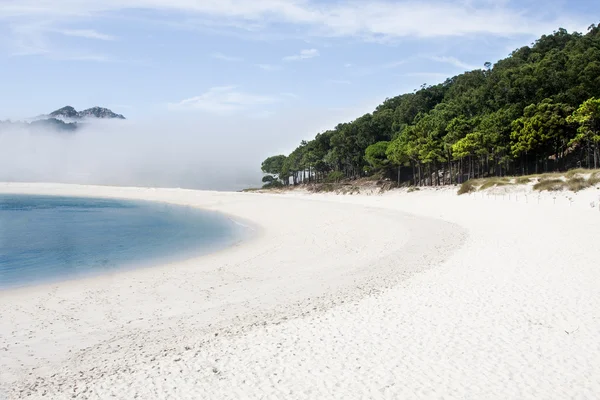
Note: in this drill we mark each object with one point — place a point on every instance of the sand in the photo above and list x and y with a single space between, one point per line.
402 295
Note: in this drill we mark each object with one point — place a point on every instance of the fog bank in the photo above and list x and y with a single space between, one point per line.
215 153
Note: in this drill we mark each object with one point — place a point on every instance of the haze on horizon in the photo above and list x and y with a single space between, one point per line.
211 88
209 153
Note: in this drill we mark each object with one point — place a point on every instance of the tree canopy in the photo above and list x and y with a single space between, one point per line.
537 109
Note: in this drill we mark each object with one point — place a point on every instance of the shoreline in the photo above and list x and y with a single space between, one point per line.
305 262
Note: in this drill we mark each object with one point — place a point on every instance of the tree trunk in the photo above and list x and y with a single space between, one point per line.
470 174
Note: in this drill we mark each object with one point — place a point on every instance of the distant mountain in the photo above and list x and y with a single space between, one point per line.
66 119
69 113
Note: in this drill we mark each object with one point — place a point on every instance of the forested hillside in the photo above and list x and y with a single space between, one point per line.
537 110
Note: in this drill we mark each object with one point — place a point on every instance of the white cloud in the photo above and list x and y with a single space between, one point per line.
454 61
223 57
377 19
223 100
269 67
303 55
85 33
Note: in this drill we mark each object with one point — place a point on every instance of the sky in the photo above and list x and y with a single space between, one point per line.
262 74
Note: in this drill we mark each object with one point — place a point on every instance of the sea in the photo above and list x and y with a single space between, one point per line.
47 239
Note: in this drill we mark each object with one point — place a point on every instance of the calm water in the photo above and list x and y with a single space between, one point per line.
45 238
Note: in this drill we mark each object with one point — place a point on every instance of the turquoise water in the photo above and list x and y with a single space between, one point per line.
47 238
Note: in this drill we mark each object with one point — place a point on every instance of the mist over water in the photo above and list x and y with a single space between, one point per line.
210 152
173 154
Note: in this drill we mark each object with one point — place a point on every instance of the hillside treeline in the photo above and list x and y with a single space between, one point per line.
537 110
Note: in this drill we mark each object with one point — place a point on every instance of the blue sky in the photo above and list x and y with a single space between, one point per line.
255 76
255 57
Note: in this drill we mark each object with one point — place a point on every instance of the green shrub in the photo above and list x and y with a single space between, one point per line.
273 185
334 177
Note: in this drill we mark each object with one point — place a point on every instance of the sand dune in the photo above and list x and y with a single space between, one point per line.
404 295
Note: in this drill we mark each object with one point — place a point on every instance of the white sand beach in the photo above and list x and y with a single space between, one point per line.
422 295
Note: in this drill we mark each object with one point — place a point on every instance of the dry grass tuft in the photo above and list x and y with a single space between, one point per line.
576 172
491 182
523 180
574 184
549 185
577 183
467 187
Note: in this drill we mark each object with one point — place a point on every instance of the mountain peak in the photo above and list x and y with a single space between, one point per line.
66 112
69 112
99 112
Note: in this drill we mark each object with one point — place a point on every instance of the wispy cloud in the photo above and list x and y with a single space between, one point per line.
303 55
85 33
454 61
223 100
367 19
31 39
223 57
269 67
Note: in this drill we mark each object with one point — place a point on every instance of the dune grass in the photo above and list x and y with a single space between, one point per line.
467 187
491 182
523 180
549 185
473 185
573 180
574 184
